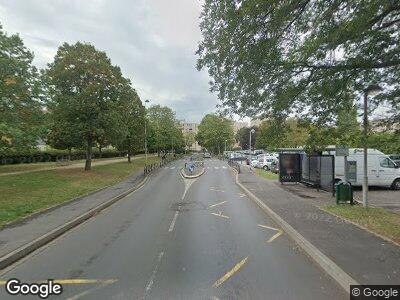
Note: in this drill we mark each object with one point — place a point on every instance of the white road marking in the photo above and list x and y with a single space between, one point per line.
172 168
211 206
224 167
153 275
280 232
220 215
216 168
171 227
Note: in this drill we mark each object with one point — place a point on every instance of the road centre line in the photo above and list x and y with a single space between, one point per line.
216 190
230 273
171 227
214 205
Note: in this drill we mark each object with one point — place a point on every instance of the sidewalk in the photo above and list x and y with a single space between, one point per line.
367 258
24 231
74 165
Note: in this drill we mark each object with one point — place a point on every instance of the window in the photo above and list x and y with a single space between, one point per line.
387 163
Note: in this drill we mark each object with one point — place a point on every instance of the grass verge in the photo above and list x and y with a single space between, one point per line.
267 174
24 194
376 220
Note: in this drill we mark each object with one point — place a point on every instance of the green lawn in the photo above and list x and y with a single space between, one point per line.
266 174
24 194
377 220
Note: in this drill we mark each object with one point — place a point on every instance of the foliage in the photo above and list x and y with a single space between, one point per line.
164 131
387 142
214 132
21 113
131 139
85 90
276 133
306 57
243 137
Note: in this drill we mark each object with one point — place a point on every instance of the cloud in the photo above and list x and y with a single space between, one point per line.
152 41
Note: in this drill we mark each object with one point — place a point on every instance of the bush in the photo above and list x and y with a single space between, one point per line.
55 155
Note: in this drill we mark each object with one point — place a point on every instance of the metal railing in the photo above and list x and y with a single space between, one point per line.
155 166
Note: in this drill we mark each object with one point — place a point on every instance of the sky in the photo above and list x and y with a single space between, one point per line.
153 41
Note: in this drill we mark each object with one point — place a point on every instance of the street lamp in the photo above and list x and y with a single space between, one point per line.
225 144
370 90
145 130
251 132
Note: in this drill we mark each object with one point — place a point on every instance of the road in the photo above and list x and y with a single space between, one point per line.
178 239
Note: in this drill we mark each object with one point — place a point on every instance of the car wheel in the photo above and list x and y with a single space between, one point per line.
266 168
396 184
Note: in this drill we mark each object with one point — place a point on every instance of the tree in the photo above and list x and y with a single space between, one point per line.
21 115
133 116
164 131
85 89
214 132
243 137
190 138
273 58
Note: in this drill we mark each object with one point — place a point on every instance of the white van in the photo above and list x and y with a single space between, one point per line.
265 162
382 171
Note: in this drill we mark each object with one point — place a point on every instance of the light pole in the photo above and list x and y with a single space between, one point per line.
225 145
251 132
370 90
145 130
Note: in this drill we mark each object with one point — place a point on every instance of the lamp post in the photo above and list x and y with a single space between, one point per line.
145 130
251 132
225 145
370 90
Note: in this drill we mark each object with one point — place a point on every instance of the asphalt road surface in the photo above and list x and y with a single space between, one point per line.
178 239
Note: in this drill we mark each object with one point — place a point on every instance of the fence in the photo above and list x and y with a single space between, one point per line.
318 170
155 166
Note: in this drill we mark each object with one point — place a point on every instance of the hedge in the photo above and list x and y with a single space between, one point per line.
56 156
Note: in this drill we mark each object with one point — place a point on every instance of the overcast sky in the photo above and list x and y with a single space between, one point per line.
153 41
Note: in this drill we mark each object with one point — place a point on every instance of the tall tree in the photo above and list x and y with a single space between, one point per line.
164 131
214 132
273 58
133 118
21 115
85 90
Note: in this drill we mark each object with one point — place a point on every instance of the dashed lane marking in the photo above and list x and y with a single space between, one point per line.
230 273
153 275
216 190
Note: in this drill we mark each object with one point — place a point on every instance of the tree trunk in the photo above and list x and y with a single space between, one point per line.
129 156
100 154
88 163
69 154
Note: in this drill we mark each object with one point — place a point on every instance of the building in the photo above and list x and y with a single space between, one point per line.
188 128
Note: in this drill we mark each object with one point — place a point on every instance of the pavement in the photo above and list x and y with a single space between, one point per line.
178 238
74 165
382 197
367 258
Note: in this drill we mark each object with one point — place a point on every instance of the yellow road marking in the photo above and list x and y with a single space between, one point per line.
230 273
214 205
265 226
275 236
76 281
220 215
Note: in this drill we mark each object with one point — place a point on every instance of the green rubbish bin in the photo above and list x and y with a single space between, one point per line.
344 193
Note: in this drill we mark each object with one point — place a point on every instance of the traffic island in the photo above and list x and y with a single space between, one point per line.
194 174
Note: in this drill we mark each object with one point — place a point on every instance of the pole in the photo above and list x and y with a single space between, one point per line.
365 132
346 170
145 131
250 142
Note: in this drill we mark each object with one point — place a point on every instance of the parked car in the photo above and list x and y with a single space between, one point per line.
265 162
207 155
254 163
395 158
275 167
